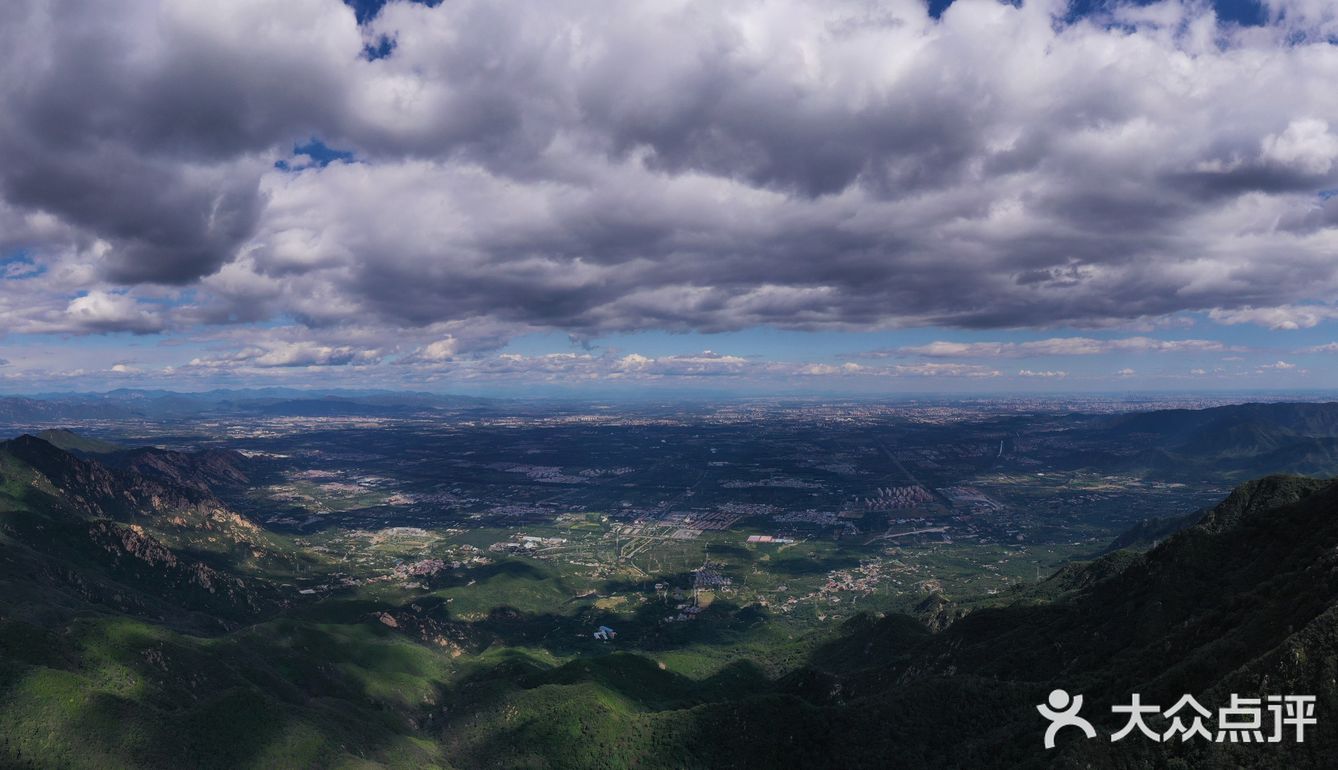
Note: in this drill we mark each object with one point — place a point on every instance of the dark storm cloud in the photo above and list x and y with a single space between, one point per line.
137 123
703 166
165 224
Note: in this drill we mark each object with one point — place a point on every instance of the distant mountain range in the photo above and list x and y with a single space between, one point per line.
1189 425
1241 441
274 402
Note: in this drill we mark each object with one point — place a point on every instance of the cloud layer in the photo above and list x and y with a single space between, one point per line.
689 166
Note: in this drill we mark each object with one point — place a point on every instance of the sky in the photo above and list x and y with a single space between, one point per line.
740 195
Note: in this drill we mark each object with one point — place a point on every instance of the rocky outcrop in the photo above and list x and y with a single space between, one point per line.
203 471
120 540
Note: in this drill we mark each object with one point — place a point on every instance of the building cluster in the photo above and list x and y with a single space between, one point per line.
544 474
711 520
810 516
863 580
420 568
970 497
777 482
884 498
526 544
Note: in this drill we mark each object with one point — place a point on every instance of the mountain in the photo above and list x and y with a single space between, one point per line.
1243 601
70 441
205 471
1149 532
144 623
1248 498
1236 441
16 410
120 538
60 408
1184 425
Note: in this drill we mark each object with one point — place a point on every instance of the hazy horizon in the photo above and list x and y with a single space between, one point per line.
670 394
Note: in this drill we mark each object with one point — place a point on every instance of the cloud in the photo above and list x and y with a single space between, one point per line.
1281 318
1305 145
289 354
1044 374
440 350
1126 372
828 370
705 364
614 366
943 370
100 311
704 166
1057 346
159 154
1306 19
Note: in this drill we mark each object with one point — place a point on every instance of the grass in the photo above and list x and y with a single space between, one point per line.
282 694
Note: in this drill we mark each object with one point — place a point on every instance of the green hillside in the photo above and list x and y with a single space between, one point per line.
75 442
1238 441
144 623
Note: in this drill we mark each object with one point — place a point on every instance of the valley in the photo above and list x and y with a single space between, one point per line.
476 587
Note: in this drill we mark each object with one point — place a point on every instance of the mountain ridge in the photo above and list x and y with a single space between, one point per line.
1242 600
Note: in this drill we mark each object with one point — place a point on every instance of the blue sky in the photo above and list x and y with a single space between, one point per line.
772 196
1232 358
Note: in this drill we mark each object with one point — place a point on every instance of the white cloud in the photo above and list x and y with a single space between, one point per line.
101 311
1058 346
1283 317
943 370
706 365
828 370
1305 145
281 354
441 350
